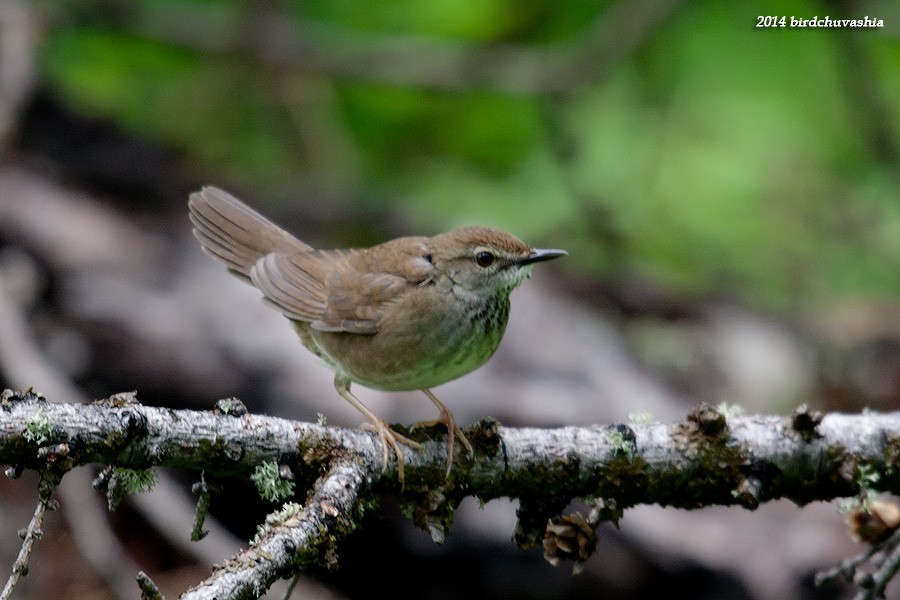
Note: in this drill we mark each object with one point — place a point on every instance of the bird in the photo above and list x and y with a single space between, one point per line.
407 314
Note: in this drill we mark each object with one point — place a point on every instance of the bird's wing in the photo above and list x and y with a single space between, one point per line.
338 290
293 283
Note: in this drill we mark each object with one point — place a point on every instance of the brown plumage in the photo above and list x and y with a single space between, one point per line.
407 314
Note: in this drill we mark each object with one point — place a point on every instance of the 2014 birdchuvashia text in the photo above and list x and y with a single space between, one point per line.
792 21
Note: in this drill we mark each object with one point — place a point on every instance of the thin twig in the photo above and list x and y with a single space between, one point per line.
290 590
31 533
204 501
149 589
885 556
888 565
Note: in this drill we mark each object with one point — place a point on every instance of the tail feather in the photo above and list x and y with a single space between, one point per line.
235 234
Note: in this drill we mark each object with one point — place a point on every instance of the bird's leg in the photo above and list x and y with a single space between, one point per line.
453 430
388 436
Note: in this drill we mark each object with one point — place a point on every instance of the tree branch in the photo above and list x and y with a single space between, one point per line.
708 458
293 538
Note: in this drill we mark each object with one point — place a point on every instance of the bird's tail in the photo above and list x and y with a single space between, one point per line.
235 234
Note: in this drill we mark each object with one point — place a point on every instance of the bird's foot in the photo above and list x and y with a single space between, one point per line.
391 438
388 436
453 430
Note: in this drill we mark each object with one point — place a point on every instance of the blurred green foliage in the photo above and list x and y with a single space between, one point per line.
715 158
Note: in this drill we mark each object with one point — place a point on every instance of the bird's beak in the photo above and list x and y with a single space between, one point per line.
540 255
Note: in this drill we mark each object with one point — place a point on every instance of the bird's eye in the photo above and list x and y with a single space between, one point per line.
484 258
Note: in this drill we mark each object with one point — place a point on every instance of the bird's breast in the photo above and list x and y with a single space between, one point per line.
420 343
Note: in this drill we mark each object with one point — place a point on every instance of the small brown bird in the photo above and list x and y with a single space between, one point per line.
408 314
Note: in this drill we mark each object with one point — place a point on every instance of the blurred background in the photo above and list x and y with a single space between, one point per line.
729 196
